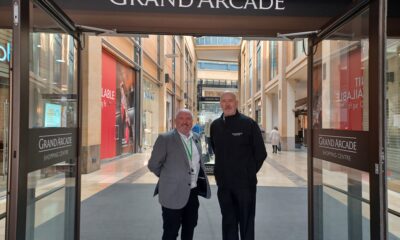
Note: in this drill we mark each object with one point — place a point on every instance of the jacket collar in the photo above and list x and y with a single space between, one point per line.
230 117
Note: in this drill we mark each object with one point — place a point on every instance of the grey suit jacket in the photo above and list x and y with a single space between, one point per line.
170 163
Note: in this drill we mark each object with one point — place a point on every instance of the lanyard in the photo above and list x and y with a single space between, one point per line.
188 152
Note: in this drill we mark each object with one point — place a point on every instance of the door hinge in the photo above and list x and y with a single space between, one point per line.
16 14
376 168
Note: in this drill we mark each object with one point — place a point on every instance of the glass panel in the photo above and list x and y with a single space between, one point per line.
273 62
53 109
393 118
342 207
5 57
259 69
340 107
341 79
150 118
393 127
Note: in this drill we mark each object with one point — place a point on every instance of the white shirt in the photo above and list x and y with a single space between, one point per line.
194 163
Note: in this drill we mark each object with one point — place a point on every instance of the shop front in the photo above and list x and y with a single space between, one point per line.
350 109
118 107
151 111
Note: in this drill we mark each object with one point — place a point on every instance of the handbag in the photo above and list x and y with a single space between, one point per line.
279 146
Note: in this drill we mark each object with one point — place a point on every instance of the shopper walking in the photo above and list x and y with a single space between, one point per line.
275 139
176 160
239 154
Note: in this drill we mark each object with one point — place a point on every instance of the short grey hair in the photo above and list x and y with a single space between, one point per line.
228 93
183 110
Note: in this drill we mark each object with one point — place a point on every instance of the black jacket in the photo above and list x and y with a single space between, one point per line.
239 150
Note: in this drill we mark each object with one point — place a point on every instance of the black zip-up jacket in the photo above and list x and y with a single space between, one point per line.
239 150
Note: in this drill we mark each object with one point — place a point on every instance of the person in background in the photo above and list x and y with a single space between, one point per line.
197 128
239 154
275 139
208 137
176 161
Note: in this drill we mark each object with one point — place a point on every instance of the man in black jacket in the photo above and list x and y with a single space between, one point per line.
239 154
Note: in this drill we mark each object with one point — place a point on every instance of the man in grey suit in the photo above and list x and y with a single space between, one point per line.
176 160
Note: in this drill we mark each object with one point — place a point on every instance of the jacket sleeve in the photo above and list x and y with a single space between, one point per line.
158 156
259 151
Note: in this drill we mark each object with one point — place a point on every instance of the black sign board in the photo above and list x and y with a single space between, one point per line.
230 7
209 99
195 17
348 148
49 146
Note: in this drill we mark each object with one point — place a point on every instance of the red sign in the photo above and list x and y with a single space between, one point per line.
108 123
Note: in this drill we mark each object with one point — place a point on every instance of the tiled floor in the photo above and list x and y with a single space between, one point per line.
285 169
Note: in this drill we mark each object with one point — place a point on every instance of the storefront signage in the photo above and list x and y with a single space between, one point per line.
148 95
349 148
209 99
229 7
5 52
51 146
108 93
211 4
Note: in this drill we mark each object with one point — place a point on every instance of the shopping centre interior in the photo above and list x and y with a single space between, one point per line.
110 90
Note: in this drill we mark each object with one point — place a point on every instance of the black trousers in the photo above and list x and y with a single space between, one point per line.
274 148
238 208
209 148
186 217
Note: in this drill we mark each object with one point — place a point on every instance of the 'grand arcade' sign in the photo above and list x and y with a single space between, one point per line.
197 17
348 148
50 146
211 4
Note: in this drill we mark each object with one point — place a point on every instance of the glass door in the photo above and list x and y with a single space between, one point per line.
43 200
392 118
346 192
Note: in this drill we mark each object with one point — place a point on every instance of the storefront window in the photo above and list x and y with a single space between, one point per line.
273 59
259 68
151 111
118 112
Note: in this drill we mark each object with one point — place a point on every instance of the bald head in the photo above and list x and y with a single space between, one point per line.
228 103
228 94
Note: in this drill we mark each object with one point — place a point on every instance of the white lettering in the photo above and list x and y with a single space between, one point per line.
205 1
185 6
153 1
338 144
56 142
233 5
122 3
277 7
223 3
271 3
250 2
107 93
227 4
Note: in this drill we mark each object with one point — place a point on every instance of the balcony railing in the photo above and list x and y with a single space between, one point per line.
218 83
218 41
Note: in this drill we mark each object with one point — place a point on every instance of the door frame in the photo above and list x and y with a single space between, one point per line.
376 140
17 182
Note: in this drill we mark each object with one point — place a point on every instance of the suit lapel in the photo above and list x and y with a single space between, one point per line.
181 148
